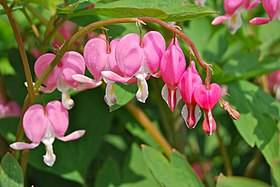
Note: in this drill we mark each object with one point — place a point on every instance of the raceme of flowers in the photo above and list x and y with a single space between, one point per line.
129 60
233 10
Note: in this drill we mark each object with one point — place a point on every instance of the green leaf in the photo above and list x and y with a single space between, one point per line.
73 158
109 174
258 112
169 174
239 181
247 65
169 10
10 172
124 93
135 171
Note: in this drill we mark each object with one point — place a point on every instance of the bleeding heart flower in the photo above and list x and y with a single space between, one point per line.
189 81
172 67
274 83
136 60
44 125
207 98
233 9
98 58
9 109
272 7
61 76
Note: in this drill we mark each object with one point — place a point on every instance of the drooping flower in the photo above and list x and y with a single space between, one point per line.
61 76
274 83
44 125
233 9
272 7
172 67
207 98
98 58
189 81
136 59
9 109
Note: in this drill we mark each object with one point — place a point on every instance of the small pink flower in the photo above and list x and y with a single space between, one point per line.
65 32
134 60
172 67
272 7
44 125
61 76
274 83
233 10
207 98
189 81
9 109
98 58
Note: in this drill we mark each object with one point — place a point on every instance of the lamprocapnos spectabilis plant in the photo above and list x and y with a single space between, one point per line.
157 63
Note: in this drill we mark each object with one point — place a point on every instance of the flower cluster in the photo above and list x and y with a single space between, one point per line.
131 59
233 9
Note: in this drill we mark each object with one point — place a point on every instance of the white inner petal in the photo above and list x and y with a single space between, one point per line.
164 94
110 97
49 157
66 100
235 22
197 114
185 114
142 92
210 120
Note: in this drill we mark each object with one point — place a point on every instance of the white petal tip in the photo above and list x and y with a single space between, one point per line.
49 159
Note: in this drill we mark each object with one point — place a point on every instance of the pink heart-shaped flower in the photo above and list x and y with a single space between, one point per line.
206 98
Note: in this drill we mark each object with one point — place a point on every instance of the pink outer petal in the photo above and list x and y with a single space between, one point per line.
270 7
112 57
209 124
58 117
40 67
189 81
173 65
87 82
22 145
73 136
207 98
260 21
13 109
35 123
96 56
231 6
154 47
252 4
129 54
114 77
72 63
274 80
220 19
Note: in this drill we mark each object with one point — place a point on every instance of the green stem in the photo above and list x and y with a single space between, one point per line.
148 125
37 14
3 93
224 154
251 167
23 55
32 25
51 32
